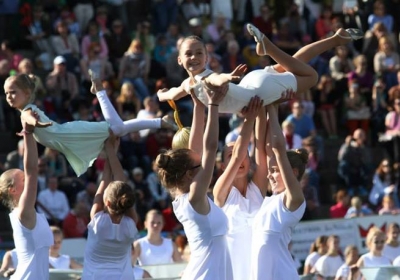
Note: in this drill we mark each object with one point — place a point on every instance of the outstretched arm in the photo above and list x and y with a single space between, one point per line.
198 189
198 121
173 93
224 183
293 193
27 201
217 80
98 202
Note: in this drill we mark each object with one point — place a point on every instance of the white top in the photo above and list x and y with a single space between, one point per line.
343 271
151 254
32 246
266 83
61 262
80 141
240 212
312 259
272 232
14 258
391 252
54 201
108 248
396 261
206 234
327 266
372 261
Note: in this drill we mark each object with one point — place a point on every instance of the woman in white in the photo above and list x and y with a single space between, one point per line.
31 232
153 248
56 260
188 175
279 214
112 229
239 195
350 257
375 241
328 264
392 246
317 249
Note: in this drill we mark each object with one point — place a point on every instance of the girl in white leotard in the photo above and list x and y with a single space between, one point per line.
267 83
31 232
80 141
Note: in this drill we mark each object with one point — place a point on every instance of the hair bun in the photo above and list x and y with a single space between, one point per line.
303 154
163 160
125 202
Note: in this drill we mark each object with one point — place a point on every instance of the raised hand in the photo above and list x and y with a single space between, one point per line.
32 118
251 111
239 72
112 142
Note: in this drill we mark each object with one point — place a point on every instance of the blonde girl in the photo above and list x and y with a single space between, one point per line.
56 260
350 257
318 248
128 103
80 141
392 245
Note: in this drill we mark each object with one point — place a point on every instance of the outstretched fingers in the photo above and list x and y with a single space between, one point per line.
239 72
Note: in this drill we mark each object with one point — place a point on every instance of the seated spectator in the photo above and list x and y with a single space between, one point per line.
134 68
56 162
216 29
293 140
379 15
310 196
374 241
388 206
53 203
162 50
285 41
387 61
297 24
384 182
351 256
69 18
317 249
311 145
355 162
232 57
128 103
328 264
143 35
14 159
75 223
392 245
158 192
326 103
86 196
303 124
93 36
391 139
56 260
358 113
154 249
380 108
364 77
118 41
265 21
340 66
357 209
339 210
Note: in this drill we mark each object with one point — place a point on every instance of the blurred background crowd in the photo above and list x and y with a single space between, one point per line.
349 122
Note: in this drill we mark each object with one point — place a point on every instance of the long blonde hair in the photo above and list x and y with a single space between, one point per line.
123 96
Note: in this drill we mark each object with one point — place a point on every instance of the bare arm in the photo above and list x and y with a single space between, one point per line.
224 183
195 142
176 256
198 189
111 147
30 118
27 201
135 252
293 193
173 93
218 80
98 203
7 263
260 177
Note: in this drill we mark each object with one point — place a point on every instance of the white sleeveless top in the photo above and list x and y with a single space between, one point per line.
272 232
391 252
32 246
265 83
370 260
240 212
108 248
155 254
62 262
312 258
328 266
206 234
80 141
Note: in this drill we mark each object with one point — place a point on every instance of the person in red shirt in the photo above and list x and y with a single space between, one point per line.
75 224
157 141
265 22
339 210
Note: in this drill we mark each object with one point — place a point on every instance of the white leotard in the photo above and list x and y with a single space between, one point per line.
206 234
265 83
32 246
62 262
272 231
108 248
240 212
155 254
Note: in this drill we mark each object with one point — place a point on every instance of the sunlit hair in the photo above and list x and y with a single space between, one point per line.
135 45
172 166
318 244
27 83
7 180
193 38
123 96
121 197
373 232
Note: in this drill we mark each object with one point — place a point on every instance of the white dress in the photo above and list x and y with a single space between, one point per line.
155 254
391 252
32 246
265 83
80 141
240 212
206 234
61 262
108 248
272 232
